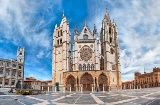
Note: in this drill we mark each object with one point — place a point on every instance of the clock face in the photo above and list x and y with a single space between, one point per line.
86 53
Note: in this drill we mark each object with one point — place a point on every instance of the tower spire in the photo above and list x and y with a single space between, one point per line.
144 70
63 14
84 22
107 17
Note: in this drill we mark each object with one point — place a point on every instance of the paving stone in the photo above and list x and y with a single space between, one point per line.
144 96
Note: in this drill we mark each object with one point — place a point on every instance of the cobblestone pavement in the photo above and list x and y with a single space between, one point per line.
149 96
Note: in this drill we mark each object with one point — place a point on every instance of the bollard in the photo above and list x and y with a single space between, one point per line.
103 89
64 89
70 89
81 89
55 89
48 88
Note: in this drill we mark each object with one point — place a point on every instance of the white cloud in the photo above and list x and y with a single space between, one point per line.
22 24
138 25
20 18
40 54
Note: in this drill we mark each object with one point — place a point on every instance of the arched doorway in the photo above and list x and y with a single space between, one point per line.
102 80
71 81
87 82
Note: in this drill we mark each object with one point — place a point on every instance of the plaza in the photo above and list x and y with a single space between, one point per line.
147 96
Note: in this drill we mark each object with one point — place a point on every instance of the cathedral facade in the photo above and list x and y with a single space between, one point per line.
91 64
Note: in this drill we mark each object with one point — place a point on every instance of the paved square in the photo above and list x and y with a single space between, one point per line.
150 96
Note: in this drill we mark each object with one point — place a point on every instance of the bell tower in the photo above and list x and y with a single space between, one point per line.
20 55
110 50
61 52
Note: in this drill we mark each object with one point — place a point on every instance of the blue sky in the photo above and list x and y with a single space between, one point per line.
30 24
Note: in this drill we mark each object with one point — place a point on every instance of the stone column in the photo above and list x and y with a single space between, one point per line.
42 87
94 84
97 83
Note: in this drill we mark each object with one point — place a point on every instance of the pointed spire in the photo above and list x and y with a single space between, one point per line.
95 29
63 14
55 25
84 22
107 17
75 31
144 71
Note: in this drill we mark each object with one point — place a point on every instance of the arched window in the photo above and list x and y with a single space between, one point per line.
61 41
58 33
85 30
88 66
109 30
92 67
80 67
84 66
85 37
110 39
111 51
61 33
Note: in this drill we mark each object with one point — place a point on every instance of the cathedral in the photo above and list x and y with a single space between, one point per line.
91 64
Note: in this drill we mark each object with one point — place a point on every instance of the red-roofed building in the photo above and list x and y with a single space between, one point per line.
128 85
32 83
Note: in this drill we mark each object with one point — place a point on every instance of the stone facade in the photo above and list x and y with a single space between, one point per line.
91 64
12 71
147 80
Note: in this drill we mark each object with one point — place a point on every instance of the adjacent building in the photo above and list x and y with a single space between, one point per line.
91 64
147 80
12 71
128 85
32 83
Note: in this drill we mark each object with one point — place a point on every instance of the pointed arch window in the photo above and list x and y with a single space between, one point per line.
92 67
110 39
88 66
61 33
84 66
109 30
60 41
111 51
58 33
80 67
85 37
85 30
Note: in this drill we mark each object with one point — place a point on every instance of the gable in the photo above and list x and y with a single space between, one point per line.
85 34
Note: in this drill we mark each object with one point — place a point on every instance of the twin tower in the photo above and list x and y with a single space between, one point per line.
92 64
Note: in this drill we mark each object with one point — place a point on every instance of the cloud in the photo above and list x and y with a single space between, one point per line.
40 54
28 24
139 35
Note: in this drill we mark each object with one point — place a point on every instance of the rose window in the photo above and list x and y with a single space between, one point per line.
86 53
